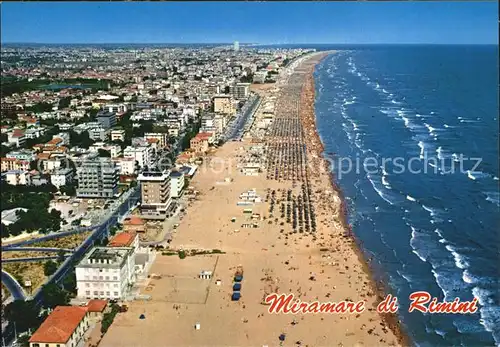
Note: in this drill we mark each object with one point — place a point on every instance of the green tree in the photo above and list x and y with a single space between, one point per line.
68 190
49 268
53 295
69 283
24 314
103 153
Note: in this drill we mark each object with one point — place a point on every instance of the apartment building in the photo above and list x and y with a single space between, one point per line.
126 166
223 104
240 90
144 155
64 327
9 164
18 178
23 154
106 119
106 273
61 177
118 135
161 137
176 184
114 150
155 190
97 178
17 137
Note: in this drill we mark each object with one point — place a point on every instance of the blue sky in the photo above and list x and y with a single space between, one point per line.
258 22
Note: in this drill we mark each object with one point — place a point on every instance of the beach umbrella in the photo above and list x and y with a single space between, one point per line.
142 316
282 337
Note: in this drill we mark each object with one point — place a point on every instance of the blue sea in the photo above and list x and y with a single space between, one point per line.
425 205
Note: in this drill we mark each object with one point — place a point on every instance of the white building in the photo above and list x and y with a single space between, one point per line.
176 184
240 90
126 166
118 135
18 178
143 155
106 273
61 177
114 150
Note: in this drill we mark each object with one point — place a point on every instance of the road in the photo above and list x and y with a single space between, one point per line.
13 286
235 128
36 249
100 230
29 259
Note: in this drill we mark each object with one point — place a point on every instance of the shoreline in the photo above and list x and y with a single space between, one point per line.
317 147
297 244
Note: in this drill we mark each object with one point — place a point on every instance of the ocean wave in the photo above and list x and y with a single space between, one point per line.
431 129
493 197
410 198
414 243
474 175
467 277
380 191
421 145
433 211
460 261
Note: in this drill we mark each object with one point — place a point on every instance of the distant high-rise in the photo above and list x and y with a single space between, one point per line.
236 46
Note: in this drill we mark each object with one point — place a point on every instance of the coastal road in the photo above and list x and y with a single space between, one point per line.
36 249
13 286
235 129
29 259
112 217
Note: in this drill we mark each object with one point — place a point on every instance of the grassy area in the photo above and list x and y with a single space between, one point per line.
70 241
32 271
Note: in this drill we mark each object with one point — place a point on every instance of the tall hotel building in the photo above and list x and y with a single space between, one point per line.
97 178
155 191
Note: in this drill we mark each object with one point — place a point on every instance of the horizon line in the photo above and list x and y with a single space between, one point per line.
243 43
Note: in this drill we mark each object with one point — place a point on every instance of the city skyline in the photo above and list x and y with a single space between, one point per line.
204 23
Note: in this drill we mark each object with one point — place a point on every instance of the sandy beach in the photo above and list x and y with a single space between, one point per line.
300 244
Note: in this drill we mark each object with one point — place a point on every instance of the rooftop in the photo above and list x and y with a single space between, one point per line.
124 239
59 325
105 256
96 305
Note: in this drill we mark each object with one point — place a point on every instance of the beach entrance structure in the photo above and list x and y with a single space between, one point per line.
205 275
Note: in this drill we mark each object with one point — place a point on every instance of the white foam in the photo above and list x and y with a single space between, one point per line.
385 182
467 277
439 152
421 144
493 197
474 175
379 191
460 261
408 197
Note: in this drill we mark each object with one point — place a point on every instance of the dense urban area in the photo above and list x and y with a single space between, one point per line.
99 147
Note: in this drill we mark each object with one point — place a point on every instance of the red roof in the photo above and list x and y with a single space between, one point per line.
133 220
124 239
96 305
59 325
55 141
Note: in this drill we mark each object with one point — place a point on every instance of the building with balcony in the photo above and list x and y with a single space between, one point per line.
224 104
97 178
155 193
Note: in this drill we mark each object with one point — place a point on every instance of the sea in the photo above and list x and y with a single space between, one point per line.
411 134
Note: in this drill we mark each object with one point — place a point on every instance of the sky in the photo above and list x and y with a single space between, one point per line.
437 22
